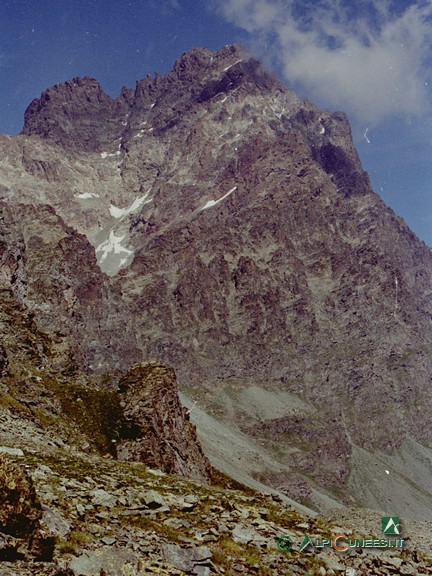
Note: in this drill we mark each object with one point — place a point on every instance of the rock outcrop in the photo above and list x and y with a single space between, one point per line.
77 114
22 534
52 271
143 422
157 429
20 510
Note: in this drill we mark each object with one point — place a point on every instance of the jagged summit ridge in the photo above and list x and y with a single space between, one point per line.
78 114
69 114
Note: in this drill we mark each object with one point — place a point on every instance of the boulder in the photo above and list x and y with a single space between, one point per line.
20 516
157 428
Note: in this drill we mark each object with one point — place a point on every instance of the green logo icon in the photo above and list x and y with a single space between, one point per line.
284 543
306 542
391 525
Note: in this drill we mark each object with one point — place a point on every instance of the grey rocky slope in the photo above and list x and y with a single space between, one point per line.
244 246
83 515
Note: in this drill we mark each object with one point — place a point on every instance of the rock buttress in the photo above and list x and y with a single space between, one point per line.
158 431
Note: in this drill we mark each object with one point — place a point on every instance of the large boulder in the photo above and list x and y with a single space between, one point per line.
157 428
20 509
22 536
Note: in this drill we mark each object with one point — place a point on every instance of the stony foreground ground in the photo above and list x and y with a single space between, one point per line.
67 513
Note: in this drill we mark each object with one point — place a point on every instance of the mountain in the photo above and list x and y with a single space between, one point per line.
213 221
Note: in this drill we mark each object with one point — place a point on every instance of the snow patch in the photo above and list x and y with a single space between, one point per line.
108 154
322 130
112 246
231 65
277 112
116 212
137 203
86 195
211 203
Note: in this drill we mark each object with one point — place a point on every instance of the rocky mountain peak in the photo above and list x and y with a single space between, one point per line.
79 115
242 245
191 64
222 71
75 114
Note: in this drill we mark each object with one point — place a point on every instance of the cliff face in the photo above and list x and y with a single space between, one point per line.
157 429
241 243
51 269
54 306
77 114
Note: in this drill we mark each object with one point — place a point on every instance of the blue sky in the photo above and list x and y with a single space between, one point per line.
370 58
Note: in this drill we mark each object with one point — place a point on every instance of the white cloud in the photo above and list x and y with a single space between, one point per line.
373 60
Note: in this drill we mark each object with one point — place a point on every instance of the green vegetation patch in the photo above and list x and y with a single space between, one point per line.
97 413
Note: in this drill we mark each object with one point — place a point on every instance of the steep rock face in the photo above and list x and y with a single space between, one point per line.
300 284
77 114
157 428
248 251
52 271
266 258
